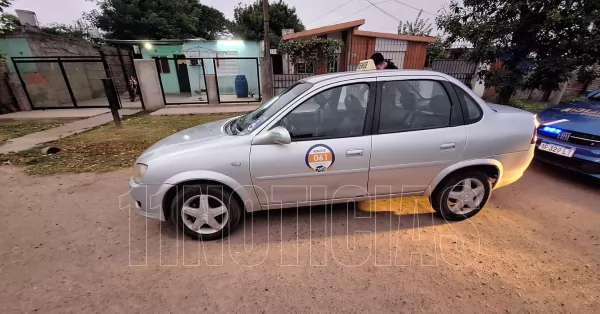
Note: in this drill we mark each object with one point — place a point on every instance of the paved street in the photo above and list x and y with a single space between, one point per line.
67 247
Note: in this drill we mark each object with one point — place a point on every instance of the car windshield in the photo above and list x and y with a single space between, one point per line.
248 122
595 96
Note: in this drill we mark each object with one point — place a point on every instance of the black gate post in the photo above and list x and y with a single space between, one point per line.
109 76
124 70
158 71
132 59
113 100
216 81
64 73
22 82
258 79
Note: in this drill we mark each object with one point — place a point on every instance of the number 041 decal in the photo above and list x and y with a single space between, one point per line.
320 158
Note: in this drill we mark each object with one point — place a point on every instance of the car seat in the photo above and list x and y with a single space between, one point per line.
354 117
439 116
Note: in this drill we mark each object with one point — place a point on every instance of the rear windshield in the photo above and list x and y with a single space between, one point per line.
250 121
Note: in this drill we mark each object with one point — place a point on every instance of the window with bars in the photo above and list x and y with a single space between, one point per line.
304 68
227 67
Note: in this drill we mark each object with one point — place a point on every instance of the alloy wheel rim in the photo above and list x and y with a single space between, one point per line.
204 214
465 196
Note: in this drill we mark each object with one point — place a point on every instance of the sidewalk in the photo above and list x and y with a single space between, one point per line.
171 111
30 140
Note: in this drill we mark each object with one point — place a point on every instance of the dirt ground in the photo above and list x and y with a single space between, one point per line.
71 245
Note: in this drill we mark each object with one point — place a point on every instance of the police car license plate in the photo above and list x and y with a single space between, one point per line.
556 149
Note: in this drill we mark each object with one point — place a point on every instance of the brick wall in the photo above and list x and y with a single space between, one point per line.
7 102
575 88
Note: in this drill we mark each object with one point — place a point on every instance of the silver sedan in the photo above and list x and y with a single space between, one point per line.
336 138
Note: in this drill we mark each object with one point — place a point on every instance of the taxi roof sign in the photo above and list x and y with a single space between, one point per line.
366 65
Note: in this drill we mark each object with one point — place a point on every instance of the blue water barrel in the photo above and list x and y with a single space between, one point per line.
241 86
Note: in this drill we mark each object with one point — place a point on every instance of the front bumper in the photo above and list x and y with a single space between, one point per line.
148 198
585 160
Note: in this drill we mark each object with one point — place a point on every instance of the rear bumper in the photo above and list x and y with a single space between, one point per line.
514 165
585 160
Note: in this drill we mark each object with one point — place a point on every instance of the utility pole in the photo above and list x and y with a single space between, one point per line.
267 71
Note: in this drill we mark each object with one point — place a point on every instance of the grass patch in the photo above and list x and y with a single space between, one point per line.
14 129
105 148
529 105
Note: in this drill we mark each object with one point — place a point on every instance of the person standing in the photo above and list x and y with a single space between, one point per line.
381 64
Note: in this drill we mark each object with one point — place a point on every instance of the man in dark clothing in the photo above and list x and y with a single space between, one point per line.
381 64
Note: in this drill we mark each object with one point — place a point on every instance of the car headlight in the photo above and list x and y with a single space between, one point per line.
139 170
537 120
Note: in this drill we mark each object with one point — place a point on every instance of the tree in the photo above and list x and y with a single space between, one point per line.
420 27
586 74
248 21
157 19
6 22
4 4
438 49
539 43
64 30
311 51
211 22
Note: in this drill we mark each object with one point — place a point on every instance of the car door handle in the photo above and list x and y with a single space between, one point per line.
448 146
354 153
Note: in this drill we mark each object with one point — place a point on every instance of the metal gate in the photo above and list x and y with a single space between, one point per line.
66 82
183 80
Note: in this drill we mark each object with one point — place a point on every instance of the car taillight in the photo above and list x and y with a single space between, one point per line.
534 137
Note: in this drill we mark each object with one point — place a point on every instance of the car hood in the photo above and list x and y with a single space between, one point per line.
187 139
581 116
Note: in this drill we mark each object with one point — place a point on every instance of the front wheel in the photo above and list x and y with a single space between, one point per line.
205 212
462 195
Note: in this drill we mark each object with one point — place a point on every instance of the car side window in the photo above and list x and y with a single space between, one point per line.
334 113
473 113
413 105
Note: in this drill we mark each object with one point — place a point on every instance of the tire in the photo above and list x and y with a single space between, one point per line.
189 196
481 189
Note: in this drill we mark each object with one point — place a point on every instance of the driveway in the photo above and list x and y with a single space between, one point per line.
68 245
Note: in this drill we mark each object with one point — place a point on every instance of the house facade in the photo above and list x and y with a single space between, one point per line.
405 51
186 77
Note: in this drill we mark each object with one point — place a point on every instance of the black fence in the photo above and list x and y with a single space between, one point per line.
461 69
185 80
238 79
65 82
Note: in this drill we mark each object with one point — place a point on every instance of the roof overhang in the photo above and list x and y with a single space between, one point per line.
324 30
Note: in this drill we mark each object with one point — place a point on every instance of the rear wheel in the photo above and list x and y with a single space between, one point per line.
205 212
462 195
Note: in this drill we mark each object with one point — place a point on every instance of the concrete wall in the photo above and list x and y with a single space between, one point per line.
7 101
44 81
17 47
149 84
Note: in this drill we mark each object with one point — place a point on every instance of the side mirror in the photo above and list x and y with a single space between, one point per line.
278 135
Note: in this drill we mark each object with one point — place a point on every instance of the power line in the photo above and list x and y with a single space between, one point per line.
330 11
410 6
380 9
362 9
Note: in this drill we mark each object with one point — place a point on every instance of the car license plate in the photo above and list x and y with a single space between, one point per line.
559 150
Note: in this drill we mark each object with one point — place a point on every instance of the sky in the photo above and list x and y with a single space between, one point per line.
311 12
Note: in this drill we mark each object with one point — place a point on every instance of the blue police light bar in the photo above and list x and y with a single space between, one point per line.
551 130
